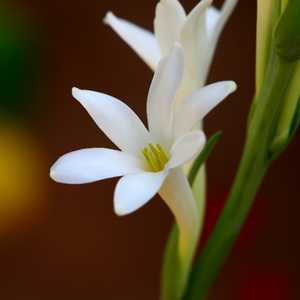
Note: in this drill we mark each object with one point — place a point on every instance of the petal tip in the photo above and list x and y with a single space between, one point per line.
109 18
119 210
201 7
232 86
53 173
202 136
76 92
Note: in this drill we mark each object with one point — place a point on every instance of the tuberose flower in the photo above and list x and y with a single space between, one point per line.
149 160
198 33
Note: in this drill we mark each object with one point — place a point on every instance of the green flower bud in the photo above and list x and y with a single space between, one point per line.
287 34
268 14
289 119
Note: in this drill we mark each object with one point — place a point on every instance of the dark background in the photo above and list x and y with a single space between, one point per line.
71 245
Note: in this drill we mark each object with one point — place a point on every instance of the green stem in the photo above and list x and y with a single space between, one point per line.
253 166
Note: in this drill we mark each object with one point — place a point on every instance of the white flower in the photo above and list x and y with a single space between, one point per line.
198 33
149 160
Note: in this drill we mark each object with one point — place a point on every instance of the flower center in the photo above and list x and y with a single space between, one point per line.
156 157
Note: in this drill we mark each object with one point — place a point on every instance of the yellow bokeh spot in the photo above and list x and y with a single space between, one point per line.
20 182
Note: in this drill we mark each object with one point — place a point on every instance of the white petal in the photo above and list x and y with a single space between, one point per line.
224 15
194 39
162 93
169 19
194 108
178 195
134 191
212 18
142 41
115 119
90 165
226 11
186 148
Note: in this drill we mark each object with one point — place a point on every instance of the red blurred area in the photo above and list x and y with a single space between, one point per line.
265 283
255 270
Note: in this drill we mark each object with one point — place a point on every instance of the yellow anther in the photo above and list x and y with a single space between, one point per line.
156 157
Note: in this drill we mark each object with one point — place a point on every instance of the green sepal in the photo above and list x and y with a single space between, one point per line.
202 157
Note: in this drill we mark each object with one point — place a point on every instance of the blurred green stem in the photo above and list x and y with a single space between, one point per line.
253 166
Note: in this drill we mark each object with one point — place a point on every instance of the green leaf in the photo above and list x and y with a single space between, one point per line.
202 157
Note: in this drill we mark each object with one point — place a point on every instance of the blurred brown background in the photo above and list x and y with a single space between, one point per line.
71 245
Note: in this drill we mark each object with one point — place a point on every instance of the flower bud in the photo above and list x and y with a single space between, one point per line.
289 119
287 34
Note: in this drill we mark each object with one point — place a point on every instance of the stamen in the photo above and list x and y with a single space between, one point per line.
156 157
